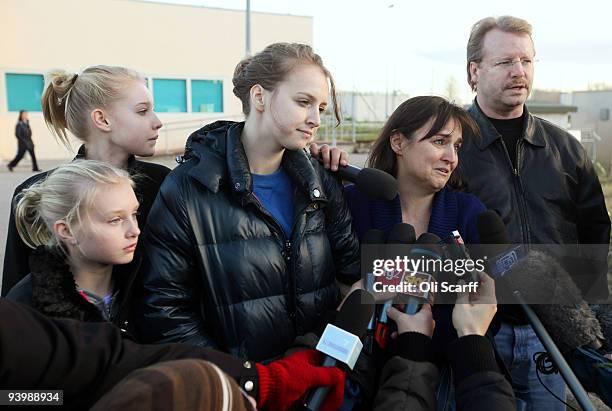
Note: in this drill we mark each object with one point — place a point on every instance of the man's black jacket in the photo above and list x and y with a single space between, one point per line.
552 197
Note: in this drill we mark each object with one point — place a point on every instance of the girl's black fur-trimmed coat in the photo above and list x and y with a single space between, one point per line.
51 290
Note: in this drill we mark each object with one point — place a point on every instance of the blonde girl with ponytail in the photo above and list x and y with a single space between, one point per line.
110 110
80 221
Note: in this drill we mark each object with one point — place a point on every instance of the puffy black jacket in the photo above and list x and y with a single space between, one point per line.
552 197
218 269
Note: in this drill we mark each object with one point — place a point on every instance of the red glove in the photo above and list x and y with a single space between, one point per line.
283 382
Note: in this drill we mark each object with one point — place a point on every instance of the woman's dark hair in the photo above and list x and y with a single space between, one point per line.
20 114
409 117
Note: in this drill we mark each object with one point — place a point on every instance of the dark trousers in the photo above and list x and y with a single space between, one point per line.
21 150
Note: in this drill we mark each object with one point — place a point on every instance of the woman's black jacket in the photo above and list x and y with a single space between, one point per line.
218 269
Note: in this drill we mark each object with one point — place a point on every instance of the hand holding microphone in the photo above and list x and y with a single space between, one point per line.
422 322
341 341
283 382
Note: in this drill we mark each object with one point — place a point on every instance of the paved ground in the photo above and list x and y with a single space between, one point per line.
8 182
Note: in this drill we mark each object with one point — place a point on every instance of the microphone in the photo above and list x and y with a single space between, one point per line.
375 239
400 234
425 249
520 276
539 278
492 232
341 340
372 182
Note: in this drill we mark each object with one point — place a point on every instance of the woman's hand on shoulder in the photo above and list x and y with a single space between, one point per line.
330 157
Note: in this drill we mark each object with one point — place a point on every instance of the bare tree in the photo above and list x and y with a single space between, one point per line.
452 88
599 86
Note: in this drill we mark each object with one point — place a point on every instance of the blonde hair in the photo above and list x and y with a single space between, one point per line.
63 195
69 98
271 66
507 24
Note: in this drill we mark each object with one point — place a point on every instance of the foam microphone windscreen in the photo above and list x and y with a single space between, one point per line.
427 247
402 233
540 279
492 231
373 236
428 238
603 312
374 241
356 313
376 184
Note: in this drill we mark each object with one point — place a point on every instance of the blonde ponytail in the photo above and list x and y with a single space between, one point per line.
54 102
30 225
69 98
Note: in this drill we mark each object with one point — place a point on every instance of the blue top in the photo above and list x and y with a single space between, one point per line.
451 210
275 191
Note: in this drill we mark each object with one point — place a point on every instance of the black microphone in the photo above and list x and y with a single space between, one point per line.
400 234
372 182
425 249
341 340
495 244
374 239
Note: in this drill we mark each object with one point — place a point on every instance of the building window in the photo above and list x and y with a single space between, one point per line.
24 91
170 95
207 96
604 114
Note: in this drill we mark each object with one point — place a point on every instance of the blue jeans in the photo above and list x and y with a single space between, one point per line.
516 345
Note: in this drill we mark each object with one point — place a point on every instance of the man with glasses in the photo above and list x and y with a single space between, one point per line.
537 176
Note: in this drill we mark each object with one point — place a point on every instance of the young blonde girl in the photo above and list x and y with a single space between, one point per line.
110 110
80 221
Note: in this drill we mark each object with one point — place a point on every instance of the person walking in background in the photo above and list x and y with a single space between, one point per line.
23 132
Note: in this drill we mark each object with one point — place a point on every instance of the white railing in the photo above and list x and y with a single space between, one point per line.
189 125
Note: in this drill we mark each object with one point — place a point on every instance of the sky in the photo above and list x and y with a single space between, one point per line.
418 46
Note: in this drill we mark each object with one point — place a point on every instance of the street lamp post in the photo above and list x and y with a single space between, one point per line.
248 29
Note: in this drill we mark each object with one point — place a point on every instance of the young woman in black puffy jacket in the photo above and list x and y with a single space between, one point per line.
249 235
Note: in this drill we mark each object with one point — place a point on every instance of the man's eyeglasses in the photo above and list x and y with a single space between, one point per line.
508 64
